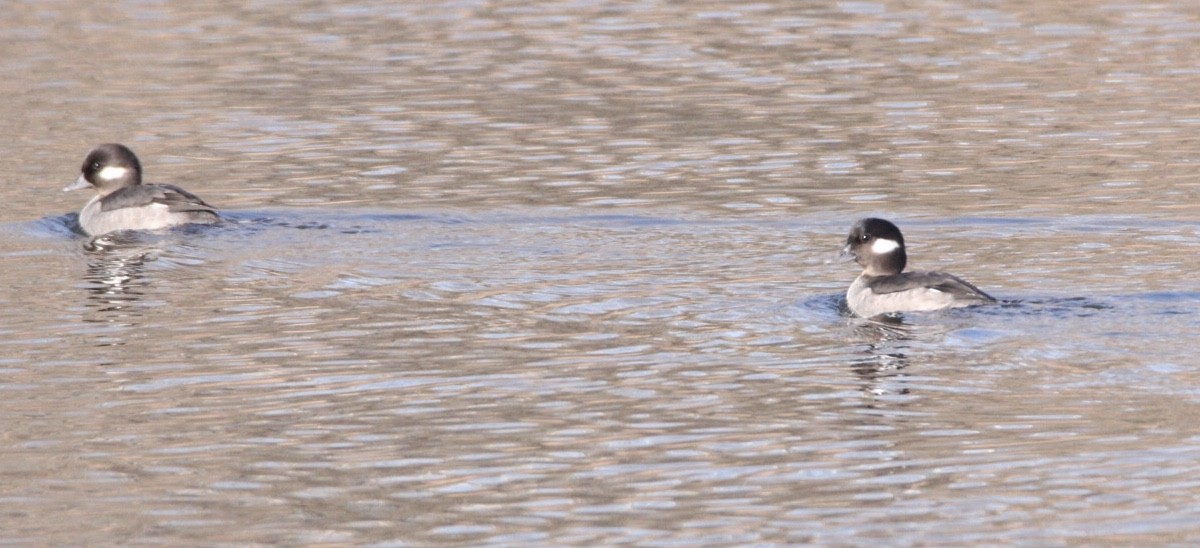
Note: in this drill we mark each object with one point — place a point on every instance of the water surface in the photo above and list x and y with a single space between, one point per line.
496 273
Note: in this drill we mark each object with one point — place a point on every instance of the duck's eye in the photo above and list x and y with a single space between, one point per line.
864 238
96 165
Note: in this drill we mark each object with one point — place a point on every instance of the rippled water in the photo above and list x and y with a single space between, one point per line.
564 273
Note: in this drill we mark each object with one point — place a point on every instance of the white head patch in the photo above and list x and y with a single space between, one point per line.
112 173
883 246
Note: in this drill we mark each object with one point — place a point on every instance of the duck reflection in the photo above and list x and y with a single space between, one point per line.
880 370
116 277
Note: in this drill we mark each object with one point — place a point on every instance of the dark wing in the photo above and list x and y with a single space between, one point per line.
176 199
946 283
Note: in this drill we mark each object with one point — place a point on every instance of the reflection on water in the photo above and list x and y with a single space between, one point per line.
389 364
384 357
881 368
501 273
116 277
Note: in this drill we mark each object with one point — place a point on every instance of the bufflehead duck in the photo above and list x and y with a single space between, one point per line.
884 287
122 202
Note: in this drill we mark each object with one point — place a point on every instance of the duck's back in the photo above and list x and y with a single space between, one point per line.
144 207
911 292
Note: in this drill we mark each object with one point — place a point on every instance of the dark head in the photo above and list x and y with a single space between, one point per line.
109 167
878 246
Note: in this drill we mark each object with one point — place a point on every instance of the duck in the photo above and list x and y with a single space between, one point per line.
122 202
884 288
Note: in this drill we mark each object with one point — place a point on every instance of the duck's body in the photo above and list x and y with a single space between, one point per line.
884 287
122 202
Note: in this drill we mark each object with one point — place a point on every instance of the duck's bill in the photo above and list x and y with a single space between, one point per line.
841 256
79 183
